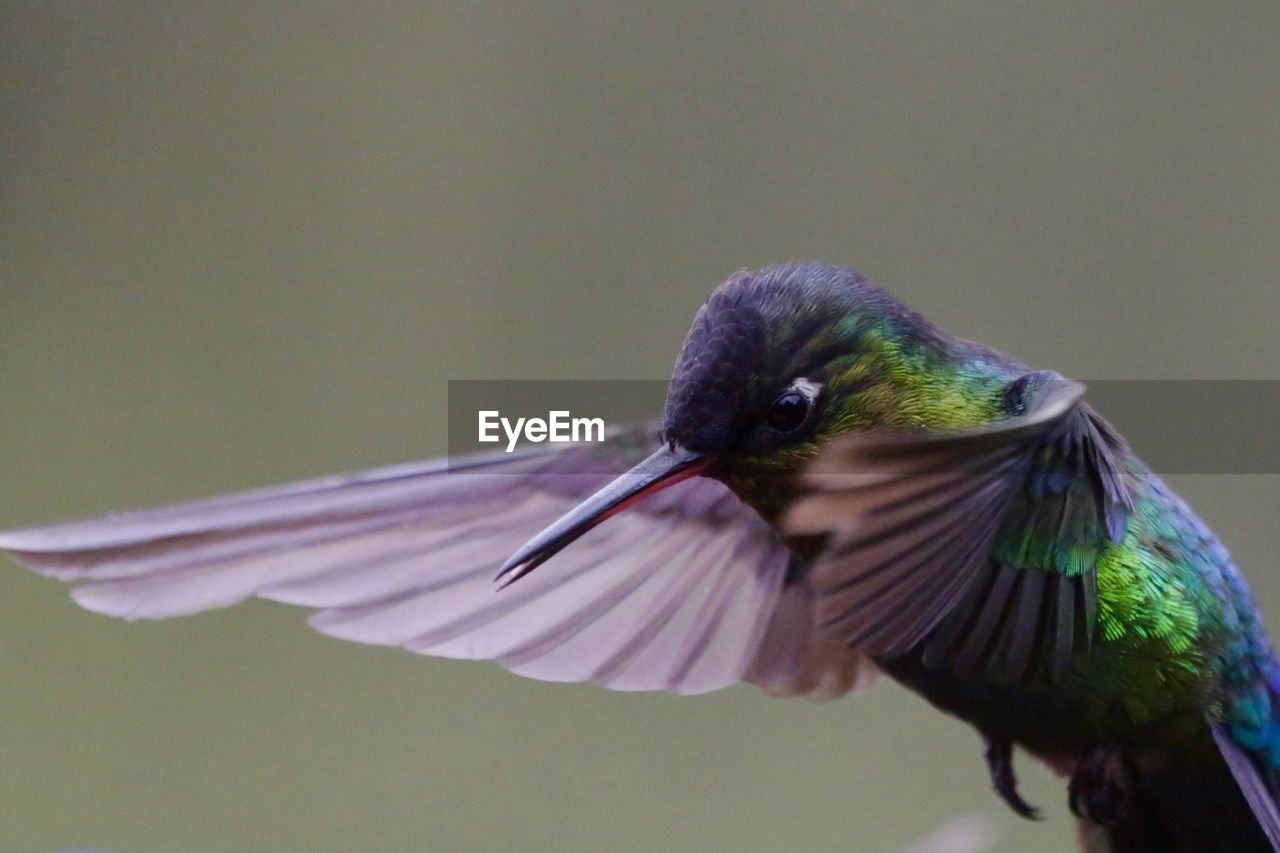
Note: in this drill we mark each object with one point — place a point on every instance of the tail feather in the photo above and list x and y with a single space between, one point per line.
1259 787
1209 796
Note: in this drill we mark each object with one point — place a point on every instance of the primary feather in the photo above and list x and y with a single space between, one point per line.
674 596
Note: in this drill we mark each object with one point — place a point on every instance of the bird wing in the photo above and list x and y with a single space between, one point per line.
677 594
982 541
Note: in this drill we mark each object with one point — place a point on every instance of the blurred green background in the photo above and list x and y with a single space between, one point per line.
247 242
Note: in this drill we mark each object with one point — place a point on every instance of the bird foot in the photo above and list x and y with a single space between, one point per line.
1098 789
999 754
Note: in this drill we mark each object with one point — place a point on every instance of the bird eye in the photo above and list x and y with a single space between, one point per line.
788 413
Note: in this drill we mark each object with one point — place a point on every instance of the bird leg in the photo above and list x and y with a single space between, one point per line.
1099 788
999 754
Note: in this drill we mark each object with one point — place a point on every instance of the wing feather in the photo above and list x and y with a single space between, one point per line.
676 594
979 543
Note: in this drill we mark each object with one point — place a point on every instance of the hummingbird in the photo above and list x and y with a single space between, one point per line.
837 489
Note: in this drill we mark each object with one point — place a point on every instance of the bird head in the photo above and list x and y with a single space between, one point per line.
777 362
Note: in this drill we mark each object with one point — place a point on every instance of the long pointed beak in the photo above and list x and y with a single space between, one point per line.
669 465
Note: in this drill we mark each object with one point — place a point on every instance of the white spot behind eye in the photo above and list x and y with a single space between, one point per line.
807 387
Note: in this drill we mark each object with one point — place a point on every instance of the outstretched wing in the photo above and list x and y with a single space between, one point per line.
675 595
983 542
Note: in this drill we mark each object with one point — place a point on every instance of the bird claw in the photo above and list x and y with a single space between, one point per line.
999 755
1098 789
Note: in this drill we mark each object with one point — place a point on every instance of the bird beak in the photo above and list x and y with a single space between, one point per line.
669 465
